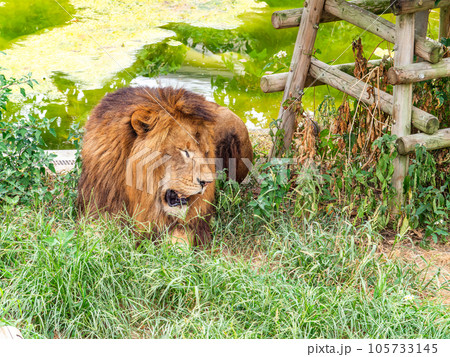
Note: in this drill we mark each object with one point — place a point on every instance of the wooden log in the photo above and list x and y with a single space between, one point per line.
291 18
358 89
411 6
430 50
276 82
444 22
439 140
362 18
272 83
418 72
298 72
402 102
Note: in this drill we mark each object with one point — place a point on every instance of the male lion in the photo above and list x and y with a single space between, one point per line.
149 151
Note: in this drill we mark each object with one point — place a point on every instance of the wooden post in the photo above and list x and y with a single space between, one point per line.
291 18
418 72
440 140
411 6
298 71
404 55
276 82
430 50
358 89
444 22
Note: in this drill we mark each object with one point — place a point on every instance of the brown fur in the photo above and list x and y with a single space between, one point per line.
232 142
131 121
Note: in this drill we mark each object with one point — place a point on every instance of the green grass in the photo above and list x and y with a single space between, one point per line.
285 278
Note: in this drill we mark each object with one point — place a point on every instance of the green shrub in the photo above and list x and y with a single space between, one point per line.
275 183
23 161
429 202
24 164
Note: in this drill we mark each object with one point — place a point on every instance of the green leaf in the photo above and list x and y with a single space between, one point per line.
11 201
51 167
404 227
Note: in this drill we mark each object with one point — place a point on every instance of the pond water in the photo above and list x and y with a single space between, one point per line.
79 50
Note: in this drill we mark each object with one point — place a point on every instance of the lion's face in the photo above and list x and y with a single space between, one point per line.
180 167
188 172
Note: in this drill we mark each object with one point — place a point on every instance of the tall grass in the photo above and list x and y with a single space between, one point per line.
285 278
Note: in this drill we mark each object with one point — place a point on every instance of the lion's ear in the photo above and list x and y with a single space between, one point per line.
142 122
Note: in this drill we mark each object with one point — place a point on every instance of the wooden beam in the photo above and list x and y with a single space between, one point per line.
411 6
430 50
276 82
418 72
358 89
272 83
401 126
439 140
444 22
291 18
362 18
298 71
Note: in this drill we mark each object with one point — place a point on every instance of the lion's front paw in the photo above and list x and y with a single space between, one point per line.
182 237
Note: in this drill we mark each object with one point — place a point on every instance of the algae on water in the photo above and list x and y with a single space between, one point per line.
103 37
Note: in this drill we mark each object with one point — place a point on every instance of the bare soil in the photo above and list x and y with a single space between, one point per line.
433 263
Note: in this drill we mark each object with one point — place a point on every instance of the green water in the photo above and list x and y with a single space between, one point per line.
80 50
24 17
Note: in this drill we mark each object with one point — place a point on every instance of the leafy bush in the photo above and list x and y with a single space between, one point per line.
24 163
275 183
429 203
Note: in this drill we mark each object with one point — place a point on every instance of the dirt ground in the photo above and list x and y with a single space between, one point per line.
433 263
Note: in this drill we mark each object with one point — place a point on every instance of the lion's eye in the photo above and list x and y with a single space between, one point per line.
185 153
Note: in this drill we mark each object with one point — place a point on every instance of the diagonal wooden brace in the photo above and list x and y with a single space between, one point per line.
358 89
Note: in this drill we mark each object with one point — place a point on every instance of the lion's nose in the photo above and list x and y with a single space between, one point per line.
203 183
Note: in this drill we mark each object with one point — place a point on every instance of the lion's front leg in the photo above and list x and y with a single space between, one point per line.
197 234
182 236
203 231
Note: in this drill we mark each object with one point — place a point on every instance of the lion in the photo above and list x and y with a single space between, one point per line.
150 152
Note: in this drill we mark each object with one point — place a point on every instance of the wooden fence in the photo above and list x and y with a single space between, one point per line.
408 35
